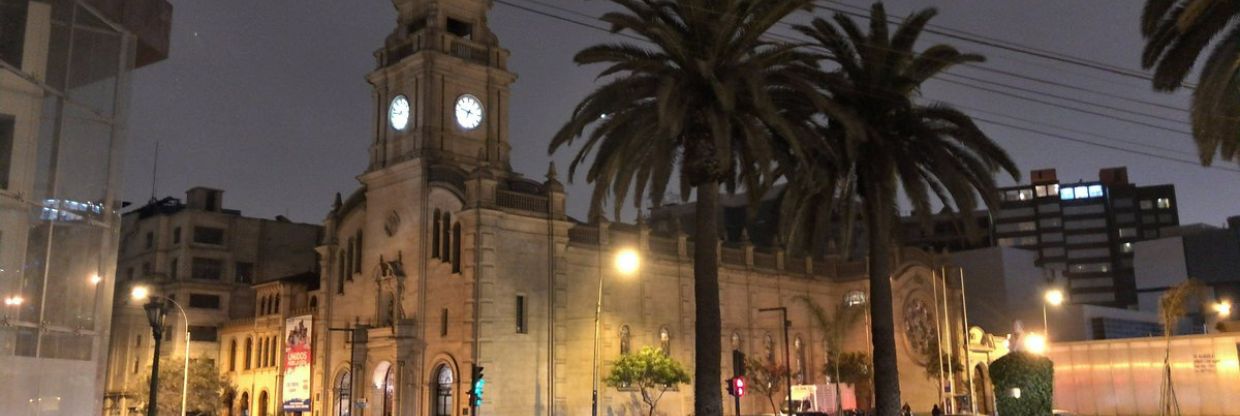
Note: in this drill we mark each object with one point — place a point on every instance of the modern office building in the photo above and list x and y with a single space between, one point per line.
64 84
1086 228
1209 254
206 258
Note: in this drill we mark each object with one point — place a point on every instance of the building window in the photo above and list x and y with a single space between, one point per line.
203 333
736 341
350 255
201 301
626 343
176 235
435 235
1125 247
209 235
243 272
456 248
521 329
173 267
1147 204
206 269
800 366
1164 203
249 351
443 322
129 273
6 122
232 356
446 240
1090 268
150 240
854 298
1018 241
146 269
768 348
357 254
344 389
443 391
1127 232
665 341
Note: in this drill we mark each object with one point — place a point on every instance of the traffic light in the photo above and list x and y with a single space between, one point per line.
475 393
736 386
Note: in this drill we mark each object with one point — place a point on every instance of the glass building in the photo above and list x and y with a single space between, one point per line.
64 77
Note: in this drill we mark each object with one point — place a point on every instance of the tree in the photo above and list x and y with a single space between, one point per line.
767 378
1172 306
935 364
928 151
1176 32
835 328
650 371
702 99
852 368
208 389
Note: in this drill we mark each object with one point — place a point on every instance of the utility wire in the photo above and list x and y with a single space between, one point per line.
980 119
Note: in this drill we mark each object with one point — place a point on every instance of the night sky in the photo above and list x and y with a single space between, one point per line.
267 99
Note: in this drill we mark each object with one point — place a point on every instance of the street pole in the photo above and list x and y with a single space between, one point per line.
598 312
968 359
185 369
783 315
155 313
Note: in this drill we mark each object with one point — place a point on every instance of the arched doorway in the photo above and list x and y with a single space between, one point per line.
262 404
441 400
981 390
243 407
389 391
344 392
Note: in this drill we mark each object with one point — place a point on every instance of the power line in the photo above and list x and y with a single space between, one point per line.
980 119
1071 130
1003 44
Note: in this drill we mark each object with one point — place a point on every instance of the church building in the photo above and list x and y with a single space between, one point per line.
445 259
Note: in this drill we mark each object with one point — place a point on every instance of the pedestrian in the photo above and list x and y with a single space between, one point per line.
936 411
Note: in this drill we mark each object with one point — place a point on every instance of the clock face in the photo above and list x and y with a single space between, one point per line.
469 112
398 112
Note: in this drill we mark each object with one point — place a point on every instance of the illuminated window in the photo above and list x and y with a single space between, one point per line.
1066 194
1095 191
625 340
854 298
443 391
1164 203
1126 247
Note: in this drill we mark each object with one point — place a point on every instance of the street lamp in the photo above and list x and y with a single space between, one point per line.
156 313
1034 343
783 315
1053 297
627 262
1223 309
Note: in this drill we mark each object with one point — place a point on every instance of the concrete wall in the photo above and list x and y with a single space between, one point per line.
1123 377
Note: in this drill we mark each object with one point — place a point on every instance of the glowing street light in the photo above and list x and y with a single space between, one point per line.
15 300
155 310
1223 308
140 293
1034 343
628 261
95 279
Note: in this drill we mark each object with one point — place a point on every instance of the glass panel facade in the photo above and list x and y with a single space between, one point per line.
62 84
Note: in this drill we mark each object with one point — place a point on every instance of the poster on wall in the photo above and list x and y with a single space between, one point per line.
297 358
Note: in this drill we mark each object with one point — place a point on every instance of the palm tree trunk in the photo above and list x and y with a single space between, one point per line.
886 373
708 399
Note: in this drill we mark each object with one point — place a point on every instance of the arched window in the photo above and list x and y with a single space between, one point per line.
446 240
389 392
243 407
340 272
348 261
357 254
271 359
249 348
736 341
262 305
314 302
625 345
261 360
435 234
344 390
275 308
800 364
456 248
665 341
232 355
442 391
768 344
262 404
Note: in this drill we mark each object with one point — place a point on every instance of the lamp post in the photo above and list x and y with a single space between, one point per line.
142 292
627 263
1053 297
783 316
156 313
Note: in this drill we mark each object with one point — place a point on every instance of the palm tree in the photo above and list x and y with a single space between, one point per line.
930 152
703 99
1176 32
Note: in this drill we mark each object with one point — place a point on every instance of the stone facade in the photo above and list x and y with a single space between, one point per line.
445 258
205 258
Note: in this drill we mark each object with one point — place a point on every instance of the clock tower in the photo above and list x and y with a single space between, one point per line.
441 88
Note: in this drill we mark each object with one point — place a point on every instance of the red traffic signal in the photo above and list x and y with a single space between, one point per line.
736 386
